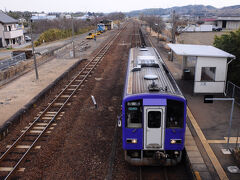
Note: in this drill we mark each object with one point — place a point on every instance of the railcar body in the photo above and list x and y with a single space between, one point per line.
153 111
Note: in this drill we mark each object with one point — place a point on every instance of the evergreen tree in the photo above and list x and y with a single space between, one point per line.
230 43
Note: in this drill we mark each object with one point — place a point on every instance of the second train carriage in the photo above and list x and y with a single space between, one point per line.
153 111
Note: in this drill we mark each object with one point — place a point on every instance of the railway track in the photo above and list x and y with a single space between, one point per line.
158 173
136 39
79 47
46 120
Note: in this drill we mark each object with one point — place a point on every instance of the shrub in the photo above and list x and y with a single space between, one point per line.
57 34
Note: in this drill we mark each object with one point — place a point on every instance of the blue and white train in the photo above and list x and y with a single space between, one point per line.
153 112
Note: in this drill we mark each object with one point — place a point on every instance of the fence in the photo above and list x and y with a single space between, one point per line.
233 91
4 64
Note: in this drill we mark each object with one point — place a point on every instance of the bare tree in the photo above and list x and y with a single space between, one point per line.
115 16
155 22
62 24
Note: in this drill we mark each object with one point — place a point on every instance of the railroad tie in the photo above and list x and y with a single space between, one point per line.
41 128
70 89
36 131
45 124
11 168
23 147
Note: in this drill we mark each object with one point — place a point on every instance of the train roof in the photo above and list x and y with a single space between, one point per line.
147 73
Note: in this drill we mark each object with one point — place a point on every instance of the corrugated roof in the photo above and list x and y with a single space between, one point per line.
228 18
209 19
137 83
5 19
199 50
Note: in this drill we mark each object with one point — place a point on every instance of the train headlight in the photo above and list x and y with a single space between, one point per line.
133 141
175 141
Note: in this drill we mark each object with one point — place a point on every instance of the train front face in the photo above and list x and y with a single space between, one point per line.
153 129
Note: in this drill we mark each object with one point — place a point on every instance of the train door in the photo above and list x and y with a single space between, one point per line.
154 127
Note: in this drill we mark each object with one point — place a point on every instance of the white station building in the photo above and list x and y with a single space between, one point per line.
207 64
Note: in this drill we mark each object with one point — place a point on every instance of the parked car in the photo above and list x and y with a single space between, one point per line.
217 28
91 36
27 38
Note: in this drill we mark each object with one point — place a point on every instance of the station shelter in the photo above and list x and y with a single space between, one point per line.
206 65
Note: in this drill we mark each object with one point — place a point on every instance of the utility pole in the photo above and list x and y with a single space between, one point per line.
173 26
158 27
33 51
73 48
150 29
173 31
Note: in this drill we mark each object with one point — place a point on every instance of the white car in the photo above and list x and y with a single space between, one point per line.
27 38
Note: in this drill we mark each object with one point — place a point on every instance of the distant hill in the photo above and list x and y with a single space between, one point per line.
195 10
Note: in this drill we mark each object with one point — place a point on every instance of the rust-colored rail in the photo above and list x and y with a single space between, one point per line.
136 38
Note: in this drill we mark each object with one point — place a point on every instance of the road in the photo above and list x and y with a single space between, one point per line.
4 54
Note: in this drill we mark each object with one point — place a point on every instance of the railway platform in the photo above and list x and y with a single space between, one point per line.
207 131
18 94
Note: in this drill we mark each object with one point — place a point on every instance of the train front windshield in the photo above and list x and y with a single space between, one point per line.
134 114
175 114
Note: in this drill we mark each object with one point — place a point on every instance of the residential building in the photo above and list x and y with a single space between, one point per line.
209 21
22 20
65 16
42 16
11 34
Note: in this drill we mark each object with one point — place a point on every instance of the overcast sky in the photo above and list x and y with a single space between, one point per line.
103 5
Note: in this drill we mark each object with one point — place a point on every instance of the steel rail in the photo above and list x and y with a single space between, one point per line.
99 56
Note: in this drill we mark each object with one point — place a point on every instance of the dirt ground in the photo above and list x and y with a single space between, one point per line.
15 95
201 38
81 145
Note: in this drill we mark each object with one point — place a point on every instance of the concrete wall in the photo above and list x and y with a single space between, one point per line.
217 86
231 25
2 35
219 23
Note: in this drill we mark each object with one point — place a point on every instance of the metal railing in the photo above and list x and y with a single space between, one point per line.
233 91
4 64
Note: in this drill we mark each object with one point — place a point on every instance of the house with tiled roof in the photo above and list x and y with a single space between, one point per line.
11 34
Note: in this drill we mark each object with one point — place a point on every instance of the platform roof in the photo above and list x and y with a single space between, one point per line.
199 50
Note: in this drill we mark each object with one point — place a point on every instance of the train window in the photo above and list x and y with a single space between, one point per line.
134 114
175 114
154 119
